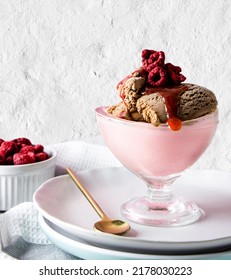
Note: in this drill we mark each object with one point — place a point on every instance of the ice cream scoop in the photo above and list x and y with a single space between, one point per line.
106 225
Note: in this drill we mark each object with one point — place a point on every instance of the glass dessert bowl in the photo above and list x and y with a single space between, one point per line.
158 156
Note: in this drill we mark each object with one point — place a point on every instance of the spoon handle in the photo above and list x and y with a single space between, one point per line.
88 196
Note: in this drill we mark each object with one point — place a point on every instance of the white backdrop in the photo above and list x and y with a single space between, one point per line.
59 59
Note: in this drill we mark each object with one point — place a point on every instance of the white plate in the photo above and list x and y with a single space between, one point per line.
76 247
60 201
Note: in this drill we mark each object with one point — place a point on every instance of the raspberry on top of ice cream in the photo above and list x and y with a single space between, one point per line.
159 72
154 93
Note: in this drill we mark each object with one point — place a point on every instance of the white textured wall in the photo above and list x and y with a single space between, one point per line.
59 59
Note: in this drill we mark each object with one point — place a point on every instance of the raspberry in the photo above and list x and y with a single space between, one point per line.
38 148
22 141
32 157
8 148
41 156
158 77
19 159
9 160
1 141
174 73
25 149
152 59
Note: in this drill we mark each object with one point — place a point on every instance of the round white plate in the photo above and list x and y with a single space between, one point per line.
61 202
76 247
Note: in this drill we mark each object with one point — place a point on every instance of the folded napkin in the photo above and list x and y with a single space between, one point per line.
80 156
22 238
20 233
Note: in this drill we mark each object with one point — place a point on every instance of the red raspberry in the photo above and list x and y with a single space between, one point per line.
1 141
8 148
9 160
19 159
174 73
38 148
158 77
41 156
25 149
22 141
152 59
32 157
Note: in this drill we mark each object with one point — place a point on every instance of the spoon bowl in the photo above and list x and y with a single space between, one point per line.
106 225
112 226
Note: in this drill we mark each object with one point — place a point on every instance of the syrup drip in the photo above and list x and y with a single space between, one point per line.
170 97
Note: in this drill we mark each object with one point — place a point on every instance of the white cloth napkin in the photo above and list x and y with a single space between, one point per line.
20 233
81 156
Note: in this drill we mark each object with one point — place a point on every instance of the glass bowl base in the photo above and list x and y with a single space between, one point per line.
163 214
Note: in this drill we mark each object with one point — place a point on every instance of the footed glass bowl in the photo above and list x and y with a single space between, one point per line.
158 156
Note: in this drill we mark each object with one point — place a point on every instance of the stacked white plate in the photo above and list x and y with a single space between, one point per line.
67 218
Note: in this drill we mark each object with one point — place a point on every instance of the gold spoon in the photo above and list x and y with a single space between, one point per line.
105 225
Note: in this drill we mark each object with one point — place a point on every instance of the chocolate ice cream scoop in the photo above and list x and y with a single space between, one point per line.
130 91
120 110
191 101
152 108
196 102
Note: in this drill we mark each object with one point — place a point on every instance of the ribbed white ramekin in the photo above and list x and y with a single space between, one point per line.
19 182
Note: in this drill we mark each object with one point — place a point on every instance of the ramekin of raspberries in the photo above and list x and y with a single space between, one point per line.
21 151
23 168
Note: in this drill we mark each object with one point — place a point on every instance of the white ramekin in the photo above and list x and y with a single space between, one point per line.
19 182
